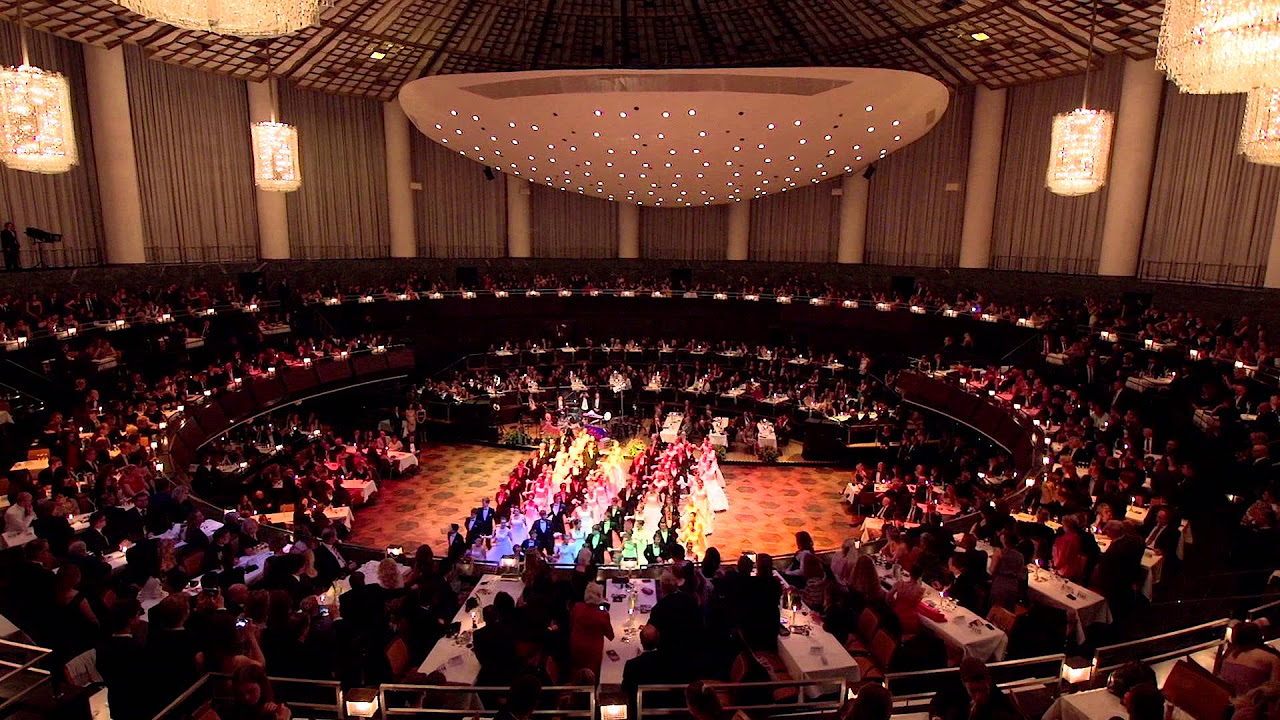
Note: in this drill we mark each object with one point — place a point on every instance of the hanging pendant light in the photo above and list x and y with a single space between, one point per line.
1260 131
1080 141
242 18
277 166
1220 46
36 129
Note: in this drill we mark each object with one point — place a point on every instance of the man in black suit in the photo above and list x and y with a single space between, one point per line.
1164 536
9 245
54 528
456 545
330 564
542 533
647 668
121 662
34 604
1119 568
171 649
484 519
95 538
974 697
364 605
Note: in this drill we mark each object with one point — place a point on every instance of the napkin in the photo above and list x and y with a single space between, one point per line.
931 612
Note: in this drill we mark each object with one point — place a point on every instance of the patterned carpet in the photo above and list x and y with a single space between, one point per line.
767 504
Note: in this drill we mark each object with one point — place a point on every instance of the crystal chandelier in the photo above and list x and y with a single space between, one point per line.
1260 131
36 131
276 164
1080 142
243 18
1220 46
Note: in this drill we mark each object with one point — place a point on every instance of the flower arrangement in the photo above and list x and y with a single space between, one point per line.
515 436
634 447
767 454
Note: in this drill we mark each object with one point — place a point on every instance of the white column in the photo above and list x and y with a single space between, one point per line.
519 241
628 230
114 155
1272 279
395 126
983 177
1133 155
739 230
853 219
273 216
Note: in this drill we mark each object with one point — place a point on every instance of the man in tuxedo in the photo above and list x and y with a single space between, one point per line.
330 564
542 531
33 606
1164 537
9 246
95 538
647 668
121 661
456 545
484 519
363 605
1118 569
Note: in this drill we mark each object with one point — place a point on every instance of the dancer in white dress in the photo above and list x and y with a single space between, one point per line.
712 479
502 545
519 527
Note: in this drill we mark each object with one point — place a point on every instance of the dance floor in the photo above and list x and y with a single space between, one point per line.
767 504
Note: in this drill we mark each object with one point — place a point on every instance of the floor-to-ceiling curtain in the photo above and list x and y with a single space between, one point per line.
66 203
564 224
698 233
341 209
460 213
915 210
1035 229
1211 211
800 225
195 164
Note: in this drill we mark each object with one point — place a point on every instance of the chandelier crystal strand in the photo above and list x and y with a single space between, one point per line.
276 164
1260 131
242 18
1081 150
36 129
1220 46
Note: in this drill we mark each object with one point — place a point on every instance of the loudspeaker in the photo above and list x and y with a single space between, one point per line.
488 173
681 277
251 282
871 170
467 276
903 286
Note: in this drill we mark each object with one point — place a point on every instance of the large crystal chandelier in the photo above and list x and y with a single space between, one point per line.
243 18
1080 143
1260 131
276 165
36 131
1220 46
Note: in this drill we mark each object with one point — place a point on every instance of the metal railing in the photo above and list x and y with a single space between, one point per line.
18 672
464 701
1045 264
910 688
830 694
306 698
1202 273
1167 646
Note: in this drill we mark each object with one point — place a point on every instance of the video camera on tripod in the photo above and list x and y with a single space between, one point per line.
40 238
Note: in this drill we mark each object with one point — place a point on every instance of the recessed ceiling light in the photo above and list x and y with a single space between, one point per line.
535 127
897 137
599 113
453 112
666 114
797 123
692 111
475 118
871 128
622 114
980 36
770 126
870 108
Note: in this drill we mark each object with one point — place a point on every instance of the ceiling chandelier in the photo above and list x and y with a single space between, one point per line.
242 18
36 130
276 164
1220 46
1260 131
1080 143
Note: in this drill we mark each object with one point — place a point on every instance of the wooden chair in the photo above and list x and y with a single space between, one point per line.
192 564
1002 619
868 623
1196 692
398 658
883 648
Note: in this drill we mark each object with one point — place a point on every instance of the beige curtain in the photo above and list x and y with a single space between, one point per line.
564 224
195 163
1210 212
1034 229
460 213
66 203
341 209
800 225
916 206
684 233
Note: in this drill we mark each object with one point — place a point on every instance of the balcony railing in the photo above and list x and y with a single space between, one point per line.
1203 273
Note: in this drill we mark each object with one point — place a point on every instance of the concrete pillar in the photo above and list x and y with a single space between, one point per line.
1133 156
739 230
273 216
114 155
395 126
1272 279
628 230
519 239
853 219
984 176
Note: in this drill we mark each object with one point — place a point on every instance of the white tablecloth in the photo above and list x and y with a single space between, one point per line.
765 435
360 490
31 465
671 427
1097 704
254 576
719 438
816 656
451 656
980 639
626 627
1084 607
343 515
1152 564
402 461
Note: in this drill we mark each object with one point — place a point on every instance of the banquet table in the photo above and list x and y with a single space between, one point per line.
259 561
1086 705
401 461
343 515
1152 564
1083 606
814 656
766 436
370 572
360 490
719 434
626 625
671 427
962 630
31 465
452 656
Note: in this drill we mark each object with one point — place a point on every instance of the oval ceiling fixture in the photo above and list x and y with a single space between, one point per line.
625 116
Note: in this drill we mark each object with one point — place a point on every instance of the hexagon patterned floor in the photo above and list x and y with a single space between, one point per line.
767 504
